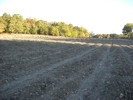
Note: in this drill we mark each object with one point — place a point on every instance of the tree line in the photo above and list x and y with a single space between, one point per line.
16 24
127 31
113 36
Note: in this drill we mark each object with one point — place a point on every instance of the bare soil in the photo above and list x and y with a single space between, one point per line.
38 67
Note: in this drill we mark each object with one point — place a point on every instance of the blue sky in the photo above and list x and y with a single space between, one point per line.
99 16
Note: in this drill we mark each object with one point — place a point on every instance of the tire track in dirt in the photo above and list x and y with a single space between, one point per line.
128 51
10 88
33 54
33 65
77 70
114 82
127 57
119 84
65 81
93 81
127 75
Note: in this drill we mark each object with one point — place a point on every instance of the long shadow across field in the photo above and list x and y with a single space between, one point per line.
24 58
21 58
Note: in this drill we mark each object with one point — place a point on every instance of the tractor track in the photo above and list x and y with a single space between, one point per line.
13 86
66 69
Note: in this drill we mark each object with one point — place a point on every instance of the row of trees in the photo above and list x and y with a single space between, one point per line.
127 33
113 36
16 24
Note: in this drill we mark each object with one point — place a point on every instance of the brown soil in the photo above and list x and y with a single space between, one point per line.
38 67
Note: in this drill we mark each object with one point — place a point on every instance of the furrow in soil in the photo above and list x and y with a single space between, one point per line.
23 81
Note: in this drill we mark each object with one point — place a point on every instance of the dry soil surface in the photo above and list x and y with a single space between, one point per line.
38 67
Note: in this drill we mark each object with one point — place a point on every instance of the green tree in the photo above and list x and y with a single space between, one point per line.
53 31
66 31
62 28
32 24
2 25
70 26
26 26
34 30
6 20
127 28
46 30
84 32
16 24
42 27
74 33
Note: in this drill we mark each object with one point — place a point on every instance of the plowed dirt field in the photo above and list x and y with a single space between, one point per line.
38 67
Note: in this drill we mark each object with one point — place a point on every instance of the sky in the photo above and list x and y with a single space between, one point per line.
97 16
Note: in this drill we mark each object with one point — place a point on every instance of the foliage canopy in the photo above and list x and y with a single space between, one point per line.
16 24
